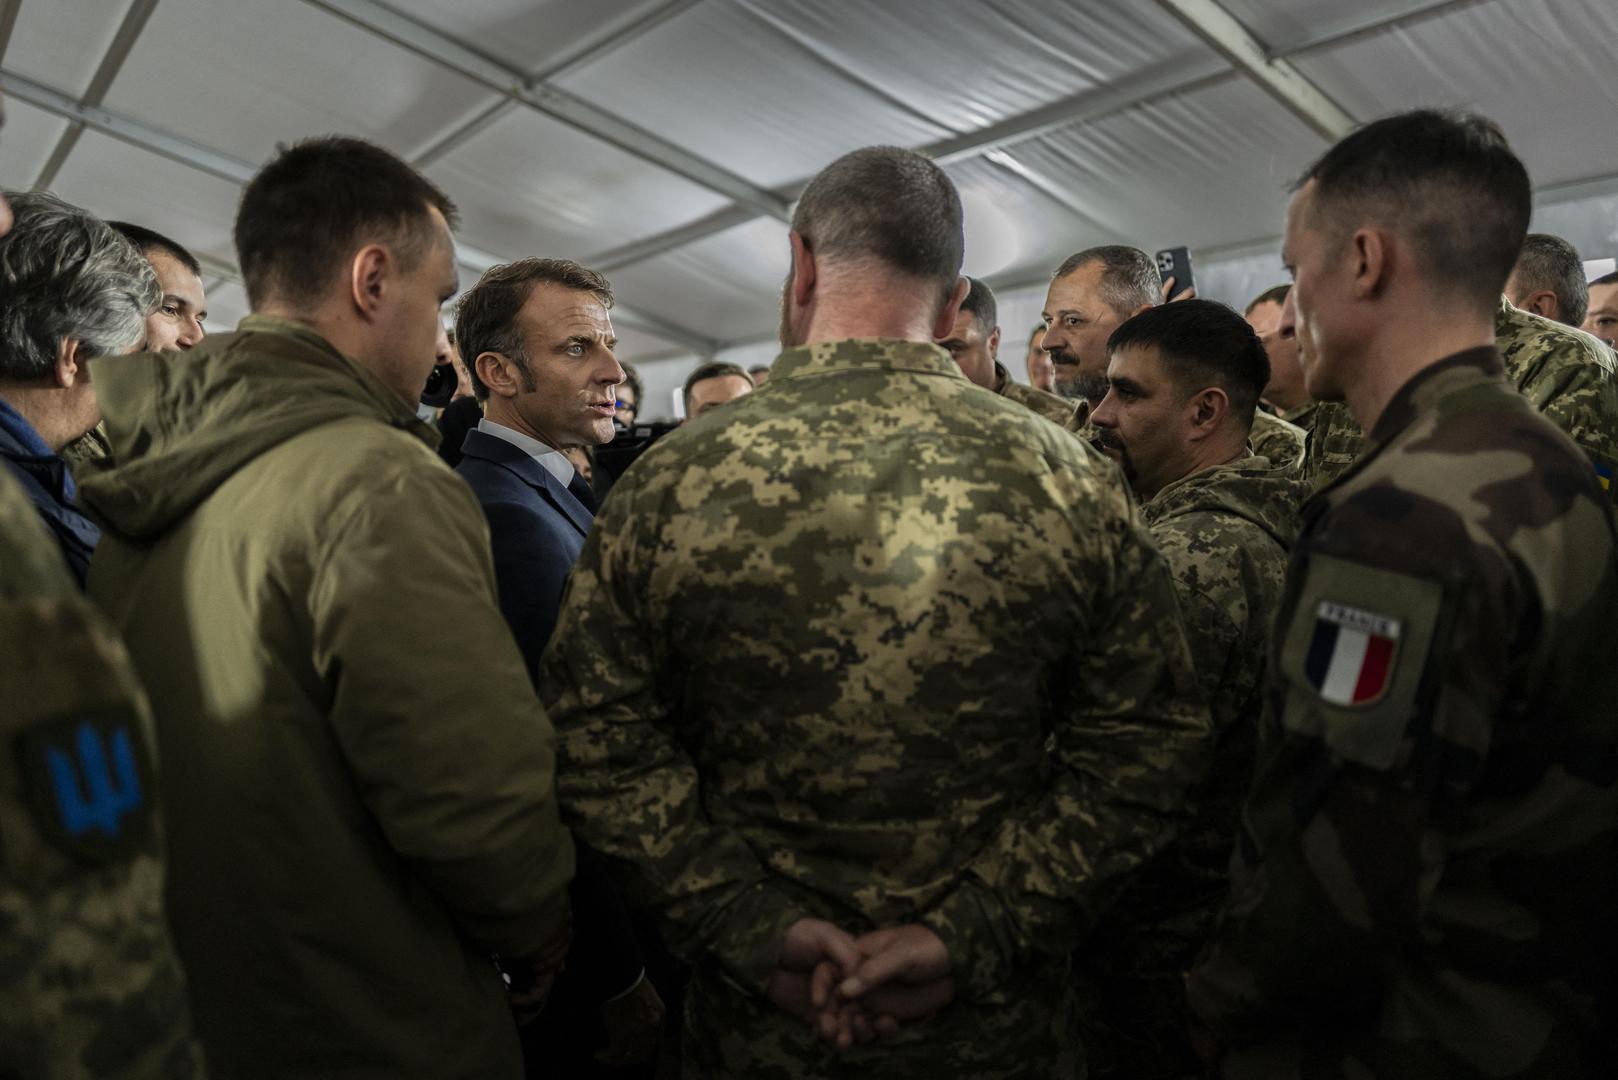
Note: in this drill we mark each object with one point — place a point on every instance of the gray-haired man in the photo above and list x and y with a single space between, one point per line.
71 290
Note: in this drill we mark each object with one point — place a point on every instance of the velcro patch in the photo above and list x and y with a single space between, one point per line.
88 781
1353 656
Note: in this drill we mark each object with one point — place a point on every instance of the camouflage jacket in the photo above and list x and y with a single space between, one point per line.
1303 417
1420 886
1567 374
874 646
1226 532
1070 415
89 983
1279 440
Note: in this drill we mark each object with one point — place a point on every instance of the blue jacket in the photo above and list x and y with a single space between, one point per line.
536 528
50 488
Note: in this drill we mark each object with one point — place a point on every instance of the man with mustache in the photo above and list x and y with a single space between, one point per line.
1184 382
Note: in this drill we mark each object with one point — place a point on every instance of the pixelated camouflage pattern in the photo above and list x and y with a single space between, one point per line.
1423 884
1334 443
91 446
1226 532
1068 415
89 984
1303 417
874 646
1276 439
1568 375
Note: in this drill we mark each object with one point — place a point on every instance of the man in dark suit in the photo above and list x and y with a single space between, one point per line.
538 343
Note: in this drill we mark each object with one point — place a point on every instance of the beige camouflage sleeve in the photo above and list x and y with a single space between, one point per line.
1127 745
629 788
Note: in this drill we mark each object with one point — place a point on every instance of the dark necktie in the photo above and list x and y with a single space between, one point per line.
581 491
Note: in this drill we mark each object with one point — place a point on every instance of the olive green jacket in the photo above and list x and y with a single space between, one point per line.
358 775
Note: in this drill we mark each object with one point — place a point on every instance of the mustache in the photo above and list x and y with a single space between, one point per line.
1064 356
1107 440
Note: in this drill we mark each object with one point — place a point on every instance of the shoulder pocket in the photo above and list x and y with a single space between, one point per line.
1353 656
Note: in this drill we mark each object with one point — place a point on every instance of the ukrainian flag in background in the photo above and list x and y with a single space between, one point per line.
1604 474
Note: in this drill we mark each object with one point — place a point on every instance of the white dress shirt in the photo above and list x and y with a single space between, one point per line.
554 461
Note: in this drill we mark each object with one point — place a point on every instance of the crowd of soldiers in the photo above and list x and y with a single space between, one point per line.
1230 702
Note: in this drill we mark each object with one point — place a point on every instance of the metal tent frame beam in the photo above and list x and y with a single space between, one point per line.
236 171
382 21
1132 92
1221 30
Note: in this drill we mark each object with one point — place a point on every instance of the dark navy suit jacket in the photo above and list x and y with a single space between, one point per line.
536 529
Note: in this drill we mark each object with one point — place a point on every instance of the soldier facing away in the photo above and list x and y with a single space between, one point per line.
793 689
1423 886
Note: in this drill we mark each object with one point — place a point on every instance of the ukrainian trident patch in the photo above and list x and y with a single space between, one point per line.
89 784
1351 654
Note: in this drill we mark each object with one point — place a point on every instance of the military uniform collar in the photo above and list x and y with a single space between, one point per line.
1427 386
864 354
398 413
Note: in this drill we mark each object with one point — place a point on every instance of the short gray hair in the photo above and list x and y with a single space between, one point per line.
1129 277
1550 264
65 273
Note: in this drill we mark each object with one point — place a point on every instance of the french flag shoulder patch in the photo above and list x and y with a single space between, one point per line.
1351 654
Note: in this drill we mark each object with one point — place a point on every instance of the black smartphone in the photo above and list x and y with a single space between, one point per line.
1176 263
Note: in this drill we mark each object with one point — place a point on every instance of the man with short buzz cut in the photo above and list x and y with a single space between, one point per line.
72 292
888 671
538 341
1548 280
714 384
974 344
177 322
354 823
1601 319
1423 885
1183 385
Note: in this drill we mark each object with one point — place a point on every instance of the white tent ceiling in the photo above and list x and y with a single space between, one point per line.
663 140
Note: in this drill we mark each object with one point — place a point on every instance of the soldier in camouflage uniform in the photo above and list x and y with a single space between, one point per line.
1184 382
89 985
1424 883
1567 374
874 647
974 344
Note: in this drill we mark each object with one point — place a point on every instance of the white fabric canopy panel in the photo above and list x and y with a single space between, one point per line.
30 136
964 64
729 86
724 287
1542 70
241 77
528 185
530 35
61 42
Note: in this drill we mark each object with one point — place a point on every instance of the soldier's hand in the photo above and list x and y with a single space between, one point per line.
814 955
905 977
